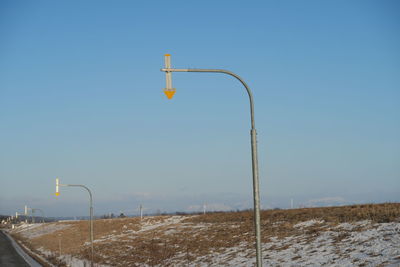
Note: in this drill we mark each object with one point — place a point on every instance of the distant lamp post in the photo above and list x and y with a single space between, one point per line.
169 91
41 211
90 211
26 213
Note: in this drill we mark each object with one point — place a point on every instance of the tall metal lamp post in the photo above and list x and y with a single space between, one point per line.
90 212
169 92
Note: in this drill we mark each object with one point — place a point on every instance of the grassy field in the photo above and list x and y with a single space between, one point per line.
197 240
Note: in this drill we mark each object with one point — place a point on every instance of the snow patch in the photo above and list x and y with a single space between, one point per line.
307 223
38 229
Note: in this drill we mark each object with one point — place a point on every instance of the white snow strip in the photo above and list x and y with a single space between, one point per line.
307 223
38 229
148 225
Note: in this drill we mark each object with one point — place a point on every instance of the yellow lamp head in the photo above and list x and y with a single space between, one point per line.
57 187
168 90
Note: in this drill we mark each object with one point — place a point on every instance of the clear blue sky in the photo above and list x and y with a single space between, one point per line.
81 98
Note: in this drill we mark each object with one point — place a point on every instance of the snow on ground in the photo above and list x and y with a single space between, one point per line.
344 245
38 229
70 260
169 221
307 223
317 244
75 262
379 244
147 225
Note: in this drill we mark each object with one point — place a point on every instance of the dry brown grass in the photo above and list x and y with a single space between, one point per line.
201 234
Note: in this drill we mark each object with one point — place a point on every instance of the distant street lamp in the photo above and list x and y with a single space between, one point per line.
169 92
26 212
33 213
90 211
41 211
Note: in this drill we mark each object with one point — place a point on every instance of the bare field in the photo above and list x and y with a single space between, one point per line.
333 236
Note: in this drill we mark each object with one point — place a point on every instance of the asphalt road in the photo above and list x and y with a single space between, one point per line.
9 257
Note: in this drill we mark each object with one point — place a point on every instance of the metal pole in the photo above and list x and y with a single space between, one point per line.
91 226
91 217
254 156
59 244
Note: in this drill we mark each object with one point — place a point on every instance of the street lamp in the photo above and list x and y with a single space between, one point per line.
33 213
90 211
41 211
169 91
26 212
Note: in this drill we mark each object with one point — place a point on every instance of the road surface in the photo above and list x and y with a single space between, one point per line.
11 255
